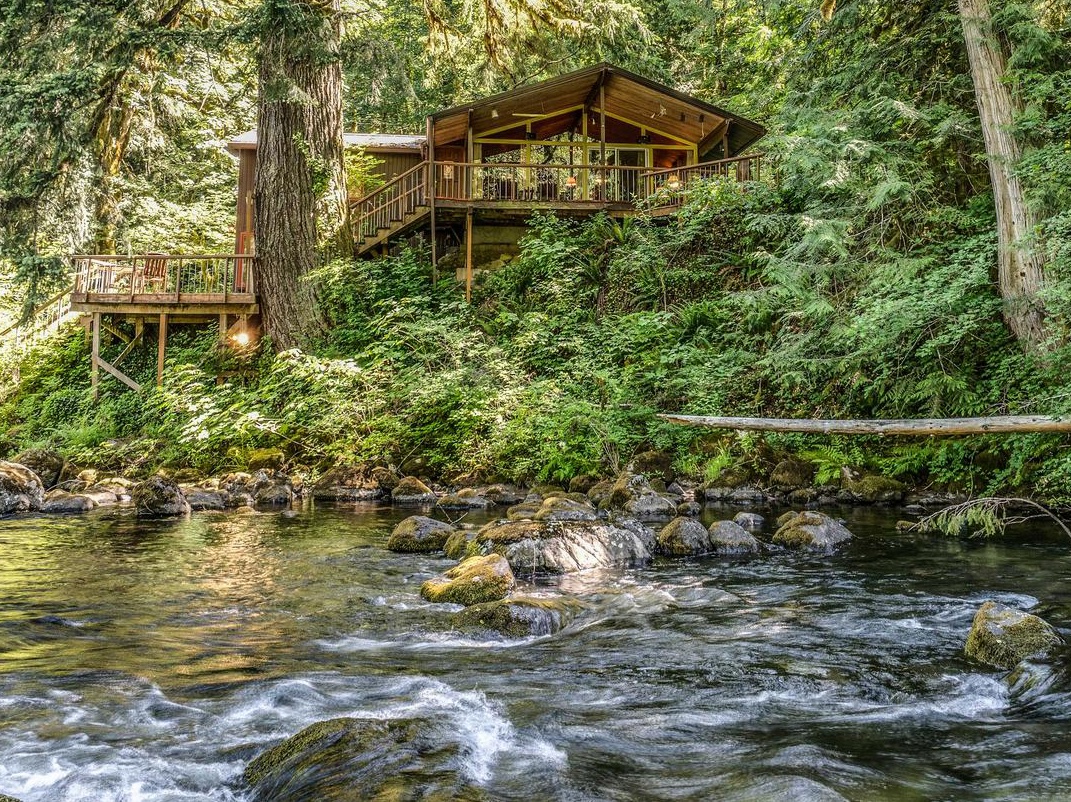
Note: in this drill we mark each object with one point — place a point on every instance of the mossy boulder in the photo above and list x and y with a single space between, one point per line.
651 507
582 483
6 798
20 488
729 537
751 521
560 547
791 474
158 497
654 465
600 492
457 544
690 509
411 492
626 487
475 580
785 517
46 463
354 483
525 511
519 617
504 495
874 489
272 488
812 531
684 537
1002 636
419 534
265 459
462 501
564 508
346 759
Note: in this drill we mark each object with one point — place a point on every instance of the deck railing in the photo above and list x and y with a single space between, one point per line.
158 277
553 185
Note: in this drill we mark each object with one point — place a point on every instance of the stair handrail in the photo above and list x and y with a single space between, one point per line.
31 323
392 201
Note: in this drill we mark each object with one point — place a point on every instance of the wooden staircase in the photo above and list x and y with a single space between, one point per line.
392 210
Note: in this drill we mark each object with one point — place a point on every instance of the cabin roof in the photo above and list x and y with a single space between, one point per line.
628 95
375 142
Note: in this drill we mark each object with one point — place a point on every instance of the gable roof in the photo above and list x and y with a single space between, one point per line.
627 95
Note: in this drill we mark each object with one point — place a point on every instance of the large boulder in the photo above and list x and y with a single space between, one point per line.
62 501
201 499
871 489
561 547
525 511
563 508
600 492
519 617
625 488
791 474
651 507
457 543
812 531
654 465
504 495
354 483
266 459
46 463
1002 636
6 798
464 499
729 537
684 537
348 759
411 492
158 497
419 534
20 489
751 521
473 581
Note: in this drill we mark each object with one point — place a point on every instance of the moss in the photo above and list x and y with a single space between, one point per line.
523 511
792 473
785 518
456 546
475 580
812 531
316 736
684 537
496 534
876 489
265 458
517 618
6 798
419 534
1002 636
600 492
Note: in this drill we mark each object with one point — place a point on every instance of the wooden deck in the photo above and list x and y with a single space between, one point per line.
518 189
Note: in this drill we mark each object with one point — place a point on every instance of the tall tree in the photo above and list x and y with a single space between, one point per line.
1020 266
301 214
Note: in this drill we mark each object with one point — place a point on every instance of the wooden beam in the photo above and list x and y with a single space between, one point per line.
906 426
468 256
430 192
95 370
161 348
707 142
596 88
112 369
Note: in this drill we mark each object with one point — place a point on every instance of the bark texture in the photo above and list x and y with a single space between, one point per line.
1020 267
300 205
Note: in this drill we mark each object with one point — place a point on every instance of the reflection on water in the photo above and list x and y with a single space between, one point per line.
149 661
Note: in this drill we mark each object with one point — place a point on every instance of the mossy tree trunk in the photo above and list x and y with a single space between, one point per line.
301 214
1020 266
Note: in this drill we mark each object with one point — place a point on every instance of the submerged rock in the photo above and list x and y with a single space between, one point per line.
20 488
751 521
729 537
561 547
411 492
473 581
812 531
62 501
159 498
419 534
1002 636
46 463
520 617
684 537
346 759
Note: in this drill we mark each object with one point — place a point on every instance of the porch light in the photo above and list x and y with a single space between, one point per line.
448 171
570 181
674 182
242 338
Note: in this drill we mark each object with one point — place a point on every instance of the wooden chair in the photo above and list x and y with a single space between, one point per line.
154 276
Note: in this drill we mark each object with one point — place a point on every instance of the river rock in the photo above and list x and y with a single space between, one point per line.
6 798
563 508
457 544
651 507
583 483
265 459
272 488
561 547
504 495
600 492
347 759
20 489
1002 636
690 509
751 521
475 580
626 487
729 537
812 531
62 501
411 492
349 483
158 497
46 463
871 489
206 499
419 534
466 499
684 537
519 617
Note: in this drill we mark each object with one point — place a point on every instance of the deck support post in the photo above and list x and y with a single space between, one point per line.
95 374
430 192
468 255
222 328
161 348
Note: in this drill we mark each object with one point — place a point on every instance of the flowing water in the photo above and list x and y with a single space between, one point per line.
149 661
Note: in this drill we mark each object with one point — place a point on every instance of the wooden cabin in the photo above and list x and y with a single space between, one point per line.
597 139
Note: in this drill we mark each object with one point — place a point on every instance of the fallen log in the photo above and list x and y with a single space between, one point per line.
908 426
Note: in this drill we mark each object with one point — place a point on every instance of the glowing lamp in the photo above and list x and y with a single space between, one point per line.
674 182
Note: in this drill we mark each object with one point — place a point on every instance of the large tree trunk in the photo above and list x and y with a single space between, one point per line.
109 146
300 208
1020 266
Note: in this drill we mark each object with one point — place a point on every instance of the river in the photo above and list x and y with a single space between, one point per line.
149 661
